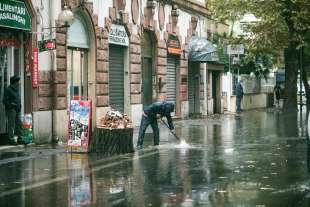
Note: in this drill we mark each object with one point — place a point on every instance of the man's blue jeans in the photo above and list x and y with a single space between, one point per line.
238 104
145 122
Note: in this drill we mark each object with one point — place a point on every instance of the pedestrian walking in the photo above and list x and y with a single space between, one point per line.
277 92
12 103
150 115
239 96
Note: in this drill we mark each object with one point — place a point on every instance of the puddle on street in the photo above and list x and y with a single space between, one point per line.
239 162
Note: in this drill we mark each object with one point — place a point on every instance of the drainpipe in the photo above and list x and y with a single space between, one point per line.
205 74
52 57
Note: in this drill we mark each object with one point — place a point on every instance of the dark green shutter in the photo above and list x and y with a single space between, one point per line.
193 87
116 77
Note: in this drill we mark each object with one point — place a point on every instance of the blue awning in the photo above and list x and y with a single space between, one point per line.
202 50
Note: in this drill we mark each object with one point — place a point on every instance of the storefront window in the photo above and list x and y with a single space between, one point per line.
77 73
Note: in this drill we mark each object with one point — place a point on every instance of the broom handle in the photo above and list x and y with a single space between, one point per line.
176 136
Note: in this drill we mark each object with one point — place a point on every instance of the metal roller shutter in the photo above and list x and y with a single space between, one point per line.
116 77
172 65
191 89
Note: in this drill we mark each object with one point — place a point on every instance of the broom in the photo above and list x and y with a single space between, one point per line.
176 136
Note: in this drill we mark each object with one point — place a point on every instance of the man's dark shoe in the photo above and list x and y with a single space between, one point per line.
20 140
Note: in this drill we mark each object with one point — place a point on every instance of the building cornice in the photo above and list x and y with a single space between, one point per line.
190 5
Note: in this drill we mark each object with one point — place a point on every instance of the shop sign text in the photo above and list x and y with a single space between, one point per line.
35 68
14 14
9 42
118 35
173 45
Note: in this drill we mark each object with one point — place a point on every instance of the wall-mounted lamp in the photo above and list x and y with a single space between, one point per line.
194 21
160 84
175 14
151 4
65 18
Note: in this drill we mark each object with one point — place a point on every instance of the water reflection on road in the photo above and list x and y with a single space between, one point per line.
256 159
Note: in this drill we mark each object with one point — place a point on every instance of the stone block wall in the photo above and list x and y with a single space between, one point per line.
45 91
135 69
183 77
102 69
161 69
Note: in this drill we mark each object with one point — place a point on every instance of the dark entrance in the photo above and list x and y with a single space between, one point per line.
193 87
147 57
216 91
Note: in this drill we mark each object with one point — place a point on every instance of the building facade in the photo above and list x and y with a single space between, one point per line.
17 26
121 54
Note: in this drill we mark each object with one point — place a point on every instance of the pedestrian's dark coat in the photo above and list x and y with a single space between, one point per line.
277 90
239 90
11 99
161 108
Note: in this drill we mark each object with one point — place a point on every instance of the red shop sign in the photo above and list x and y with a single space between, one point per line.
35 67
9 42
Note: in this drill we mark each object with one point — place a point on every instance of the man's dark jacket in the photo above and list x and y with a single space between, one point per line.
161 108
239 90
11 99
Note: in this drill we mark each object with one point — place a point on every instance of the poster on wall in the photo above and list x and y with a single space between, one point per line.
79 125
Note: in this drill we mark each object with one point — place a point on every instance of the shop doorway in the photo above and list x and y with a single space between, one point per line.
193 87
216 91
11 63
148 72
77 75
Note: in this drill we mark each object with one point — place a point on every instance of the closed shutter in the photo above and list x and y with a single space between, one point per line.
116 77
172 66
191 89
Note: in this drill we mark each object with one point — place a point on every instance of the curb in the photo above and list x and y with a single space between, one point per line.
20 146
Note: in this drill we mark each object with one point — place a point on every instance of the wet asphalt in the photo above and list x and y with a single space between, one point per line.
256 159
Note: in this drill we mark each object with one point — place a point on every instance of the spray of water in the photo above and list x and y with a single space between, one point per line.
183 144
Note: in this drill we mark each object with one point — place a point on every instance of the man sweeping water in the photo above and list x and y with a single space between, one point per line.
150 115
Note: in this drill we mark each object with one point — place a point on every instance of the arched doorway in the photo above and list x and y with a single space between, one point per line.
81 60
148 72
77 56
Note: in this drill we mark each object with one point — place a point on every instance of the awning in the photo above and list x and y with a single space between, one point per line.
202 50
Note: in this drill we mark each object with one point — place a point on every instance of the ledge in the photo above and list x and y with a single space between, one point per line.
192 5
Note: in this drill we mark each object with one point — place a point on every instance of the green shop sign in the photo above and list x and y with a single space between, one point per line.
14 14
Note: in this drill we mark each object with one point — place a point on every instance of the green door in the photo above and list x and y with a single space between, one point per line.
146 81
